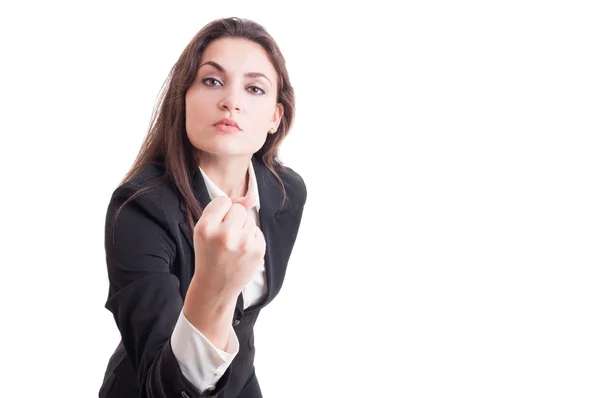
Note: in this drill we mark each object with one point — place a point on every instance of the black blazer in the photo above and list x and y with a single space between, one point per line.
150 261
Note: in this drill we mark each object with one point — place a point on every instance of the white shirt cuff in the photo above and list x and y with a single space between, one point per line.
200 361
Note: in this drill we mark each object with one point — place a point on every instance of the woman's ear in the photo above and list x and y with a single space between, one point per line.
277 115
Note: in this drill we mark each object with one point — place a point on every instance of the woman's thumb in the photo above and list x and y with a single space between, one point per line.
246 201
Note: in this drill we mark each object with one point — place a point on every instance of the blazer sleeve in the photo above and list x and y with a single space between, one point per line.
144 296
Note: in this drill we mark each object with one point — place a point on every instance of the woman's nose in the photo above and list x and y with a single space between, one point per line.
230 103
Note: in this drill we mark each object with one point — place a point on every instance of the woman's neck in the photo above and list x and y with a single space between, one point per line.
229 173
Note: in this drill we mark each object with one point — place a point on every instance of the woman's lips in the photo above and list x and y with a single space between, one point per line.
227 125
225 128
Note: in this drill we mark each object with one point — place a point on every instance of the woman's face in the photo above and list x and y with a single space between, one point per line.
236 82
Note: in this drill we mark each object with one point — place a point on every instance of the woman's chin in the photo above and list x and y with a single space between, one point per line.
226 147
226 150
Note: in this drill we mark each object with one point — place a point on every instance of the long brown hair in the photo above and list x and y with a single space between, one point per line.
167 143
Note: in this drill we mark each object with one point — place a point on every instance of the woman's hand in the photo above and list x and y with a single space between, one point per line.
228 250
228 246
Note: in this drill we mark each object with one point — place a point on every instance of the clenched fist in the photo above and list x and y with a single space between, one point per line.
228 249
228 246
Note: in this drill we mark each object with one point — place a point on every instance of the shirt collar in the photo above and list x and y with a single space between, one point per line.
214 190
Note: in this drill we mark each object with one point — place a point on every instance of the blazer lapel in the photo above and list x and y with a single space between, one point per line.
271 196
202 196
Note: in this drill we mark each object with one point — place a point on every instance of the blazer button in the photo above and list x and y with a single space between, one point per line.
235 322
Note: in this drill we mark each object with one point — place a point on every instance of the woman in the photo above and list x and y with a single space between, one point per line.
199 233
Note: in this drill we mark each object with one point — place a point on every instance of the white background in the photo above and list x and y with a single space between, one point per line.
450 242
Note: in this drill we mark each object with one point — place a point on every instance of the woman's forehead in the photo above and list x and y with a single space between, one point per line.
236 55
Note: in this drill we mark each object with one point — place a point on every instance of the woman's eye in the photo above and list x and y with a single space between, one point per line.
256 90
211 82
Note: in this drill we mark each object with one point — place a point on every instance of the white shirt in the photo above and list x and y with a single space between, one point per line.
200 361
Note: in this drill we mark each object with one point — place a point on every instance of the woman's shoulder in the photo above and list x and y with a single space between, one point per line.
148 174
295 186
148 184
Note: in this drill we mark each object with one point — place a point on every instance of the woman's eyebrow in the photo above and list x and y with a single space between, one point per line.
213 64
256 75
222 70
